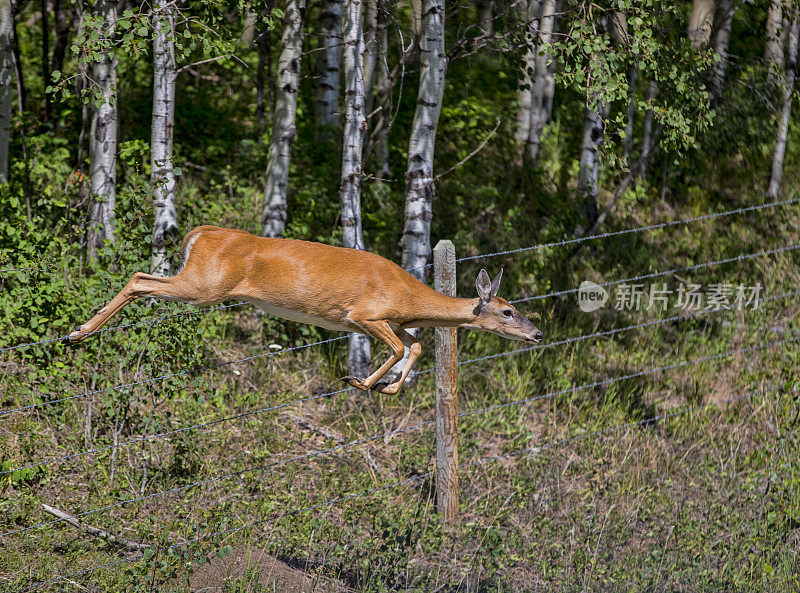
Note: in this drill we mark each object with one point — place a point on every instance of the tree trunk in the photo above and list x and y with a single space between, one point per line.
264 64
590 162
165 223
627 144
701 20
103 137
486 16
647 126
352 148
328 66
46 58
530 14
383 98
773 50
419 176
62 35
786 107
420 189
540 81
6 73
370 56
721 42
273 217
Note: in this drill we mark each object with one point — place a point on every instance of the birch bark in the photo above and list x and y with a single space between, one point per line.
328 70
540 82
530 14
6 73
701 19
103 136
273 216
786 107
352 149
165 224
420 190
721 41
590 162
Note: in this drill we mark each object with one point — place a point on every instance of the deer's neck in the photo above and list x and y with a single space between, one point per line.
445 311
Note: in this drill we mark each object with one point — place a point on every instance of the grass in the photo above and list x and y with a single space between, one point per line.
706 500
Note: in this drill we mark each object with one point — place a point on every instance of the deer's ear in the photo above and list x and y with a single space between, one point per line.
496 283
484 286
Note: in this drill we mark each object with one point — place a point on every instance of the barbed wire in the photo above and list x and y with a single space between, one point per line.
468 361
666 272
468 258
467 465
152 320
640 229
539 397
168 376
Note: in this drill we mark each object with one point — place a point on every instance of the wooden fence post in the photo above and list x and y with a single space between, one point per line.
444 281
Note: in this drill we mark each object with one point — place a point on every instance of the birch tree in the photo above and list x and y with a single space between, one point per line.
786 106
6 72
165 224
103 134
416 239
383 100
539 112
590 161
529 10
352 148
647 125
701 20
273 216
328 66
721 40
773 49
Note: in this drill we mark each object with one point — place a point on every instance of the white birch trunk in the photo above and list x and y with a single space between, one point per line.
328 70
420 189
530 14
627 144
647 125
786 107
383 98
773 50
590 163
165 224
541 75
701 20
103 137
6 74
371 53
352 149
416 241
273 216
486 16
721 43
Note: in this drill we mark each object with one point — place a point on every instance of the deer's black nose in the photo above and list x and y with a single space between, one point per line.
537 337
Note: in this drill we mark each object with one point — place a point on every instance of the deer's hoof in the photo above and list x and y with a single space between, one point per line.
354 382
386 387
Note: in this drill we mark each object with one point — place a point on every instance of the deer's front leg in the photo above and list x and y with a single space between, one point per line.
383 332
414 350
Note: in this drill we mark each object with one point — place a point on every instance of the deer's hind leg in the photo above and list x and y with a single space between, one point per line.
383 332
140 285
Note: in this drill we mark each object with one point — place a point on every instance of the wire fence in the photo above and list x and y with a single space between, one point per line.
533 449
536 449
640 229
525 401
554 344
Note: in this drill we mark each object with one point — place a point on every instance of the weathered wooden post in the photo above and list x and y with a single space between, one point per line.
444 281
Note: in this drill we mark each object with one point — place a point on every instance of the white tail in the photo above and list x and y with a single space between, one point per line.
331 287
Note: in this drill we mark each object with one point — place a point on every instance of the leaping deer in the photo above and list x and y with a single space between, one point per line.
331 287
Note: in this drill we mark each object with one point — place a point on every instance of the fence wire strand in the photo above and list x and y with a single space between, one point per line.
468 361
539 397
467 465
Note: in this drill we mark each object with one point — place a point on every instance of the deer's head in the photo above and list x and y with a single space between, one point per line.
498 316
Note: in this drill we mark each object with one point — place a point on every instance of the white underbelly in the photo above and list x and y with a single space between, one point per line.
296 316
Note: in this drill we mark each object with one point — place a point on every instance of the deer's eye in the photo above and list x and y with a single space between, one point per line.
508 312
